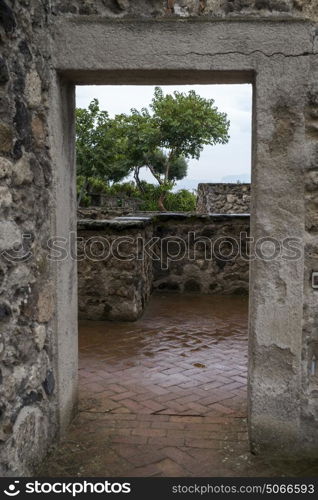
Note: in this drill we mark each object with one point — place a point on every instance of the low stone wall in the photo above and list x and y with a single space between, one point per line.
100 213
120 261
115 202
224 198
114 282
201 254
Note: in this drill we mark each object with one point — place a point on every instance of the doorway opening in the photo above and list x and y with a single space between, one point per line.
163 337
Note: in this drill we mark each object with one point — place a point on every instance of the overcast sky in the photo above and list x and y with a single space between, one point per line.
216 163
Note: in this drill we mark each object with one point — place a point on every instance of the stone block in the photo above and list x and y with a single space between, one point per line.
22 173
40 336
6 138
33 89
45 304
5 197
5 168
10 235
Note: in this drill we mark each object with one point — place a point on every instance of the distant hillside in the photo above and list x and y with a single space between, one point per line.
242 178
192 184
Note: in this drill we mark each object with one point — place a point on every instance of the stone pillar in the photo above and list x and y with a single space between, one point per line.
276 286
28 369
309 389
64 227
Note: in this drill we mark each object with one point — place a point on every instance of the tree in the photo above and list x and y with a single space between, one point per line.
157 161
97 154
176 128
162 139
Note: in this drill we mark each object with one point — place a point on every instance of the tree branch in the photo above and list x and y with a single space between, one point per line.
156 176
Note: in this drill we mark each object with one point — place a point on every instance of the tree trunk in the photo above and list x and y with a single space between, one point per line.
137 179
81 194
169 160
161 201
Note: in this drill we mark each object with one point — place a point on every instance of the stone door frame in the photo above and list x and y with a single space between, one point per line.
275 57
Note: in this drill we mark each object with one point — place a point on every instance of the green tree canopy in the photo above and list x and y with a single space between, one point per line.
186 122
162 138
97 154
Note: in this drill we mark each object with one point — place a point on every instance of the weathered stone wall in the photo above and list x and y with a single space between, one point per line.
100 213
120 261
114 276
224 198
28 416
201 254
186 8
122 203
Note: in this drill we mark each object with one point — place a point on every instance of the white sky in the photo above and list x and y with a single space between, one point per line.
216 162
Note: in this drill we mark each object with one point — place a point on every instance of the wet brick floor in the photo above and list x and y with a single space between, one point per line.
166 396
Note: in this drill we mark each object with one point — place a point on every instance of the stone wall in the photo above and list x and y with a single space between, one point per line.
186 8
28 338
100 213
119 202
114 278
224 198
201 254
120 261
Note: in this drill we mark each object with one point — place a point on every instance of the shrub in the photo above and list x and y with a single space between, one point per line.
180 201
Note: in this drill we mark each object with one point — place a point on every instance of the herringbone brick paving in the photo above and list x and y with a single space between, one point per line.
166 396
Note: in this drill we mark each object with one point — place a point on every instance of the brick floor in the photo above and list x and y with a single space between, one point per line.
166 396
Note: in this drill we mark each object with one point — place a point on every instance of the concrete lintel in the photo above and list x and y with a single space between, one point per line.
226 52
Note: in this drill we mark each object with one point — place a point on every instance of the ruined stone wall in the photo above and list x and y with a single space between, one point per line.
224 198
123 203
201 254
28 419
100 213
114 276
120 261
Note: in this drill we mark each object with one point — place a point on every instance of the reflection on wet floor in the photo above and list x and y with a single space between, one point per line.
182 344
166 395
